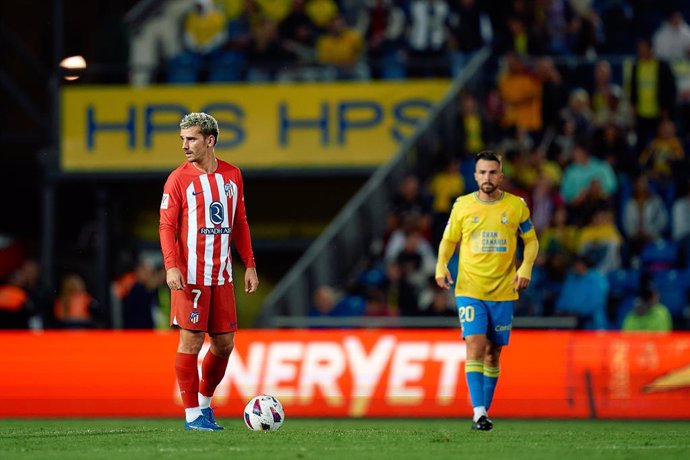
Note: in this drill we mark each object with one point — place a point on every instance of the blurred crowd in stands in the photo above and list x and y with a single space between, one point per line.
588 101
316 40
589 107
139 297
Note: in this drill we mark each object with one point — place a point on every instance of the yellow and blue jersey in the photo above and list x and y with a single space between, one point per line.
487 232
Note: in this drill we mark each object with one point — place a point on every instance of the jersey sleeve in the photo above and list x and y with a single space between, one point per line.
240 231
525 227
169 221
529 237
451 237
453 230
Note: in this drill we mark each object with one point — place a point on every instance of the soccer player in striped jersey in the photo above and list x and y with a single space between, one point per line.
486 224
202 210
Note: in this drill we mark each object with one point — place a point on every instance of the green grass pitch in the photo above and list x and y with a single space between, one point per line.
134 439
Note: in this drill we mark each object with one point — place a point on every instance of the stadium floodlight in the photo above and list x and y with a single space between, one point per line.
73 65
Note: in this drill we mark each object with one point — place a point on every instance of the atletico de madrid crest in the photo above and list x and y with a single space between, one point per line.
229 189
194 317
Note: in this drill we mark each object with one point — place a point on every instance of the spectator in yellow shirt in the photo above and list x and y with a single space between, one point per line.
663 152
664 158
601 240
205 28
536 165
473 127
341 47
521 93
446 185
322 12
275 9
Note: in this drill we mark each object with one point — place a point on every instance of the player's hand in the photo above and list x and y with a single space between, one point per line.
173 277
520 282
251 280
445 282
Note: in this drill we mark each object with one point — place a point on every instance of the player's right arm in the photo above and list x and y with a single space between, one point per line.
451 238
445 251
167 231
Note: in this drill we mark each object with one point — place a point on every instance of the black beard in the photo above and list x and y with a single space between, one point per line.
488 188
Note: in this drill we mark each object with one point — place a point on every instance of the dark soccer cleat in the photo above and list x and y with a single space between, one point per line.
483 424
211 418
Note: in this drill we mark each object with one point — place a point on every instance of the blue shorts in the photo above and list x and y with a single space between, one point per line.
495 319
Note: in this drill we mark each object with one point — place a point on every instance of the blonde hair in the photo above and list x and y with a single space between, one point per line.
206 123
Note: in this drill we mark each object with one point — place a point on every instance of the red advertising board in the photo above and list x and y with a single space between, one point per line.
350 373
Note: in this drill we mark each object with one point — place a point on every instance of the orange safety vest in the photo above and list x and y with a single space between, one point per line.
12 298
123 284
77 308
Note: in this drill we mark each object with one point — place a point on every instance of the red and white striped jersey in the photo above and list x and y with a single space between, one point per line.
200 214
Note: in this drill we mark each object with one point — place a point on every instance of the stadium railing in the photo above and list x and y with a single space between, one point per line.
369 322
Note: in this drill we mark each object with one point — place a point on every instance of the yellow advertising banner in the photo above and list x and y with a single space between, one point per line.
125 129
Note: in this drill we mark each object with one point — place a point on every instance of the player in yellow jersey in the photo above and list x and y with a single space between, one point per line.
486 224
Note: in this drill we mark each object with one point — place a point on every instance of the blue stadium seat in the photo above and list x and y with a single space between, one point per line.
673 291
622 196
624 282
626 305
666 191
375 276
227 67
685 275
350 305
392 68
184 68
659 255
467 172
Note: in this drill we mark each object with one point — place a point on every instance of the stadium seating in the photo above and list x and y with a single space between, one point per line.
227 67
467 171
672 288
624 282
624 307
659 255
184 68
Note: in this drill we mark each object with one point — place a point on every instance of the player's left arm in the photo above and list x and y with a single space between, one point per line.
241 236
529 238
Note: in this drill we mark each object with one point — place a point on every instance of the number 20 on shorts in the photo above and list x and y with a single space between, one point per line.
466 314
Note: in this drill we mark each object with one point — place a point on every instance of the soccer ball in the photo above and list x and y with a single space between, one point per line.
264 413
